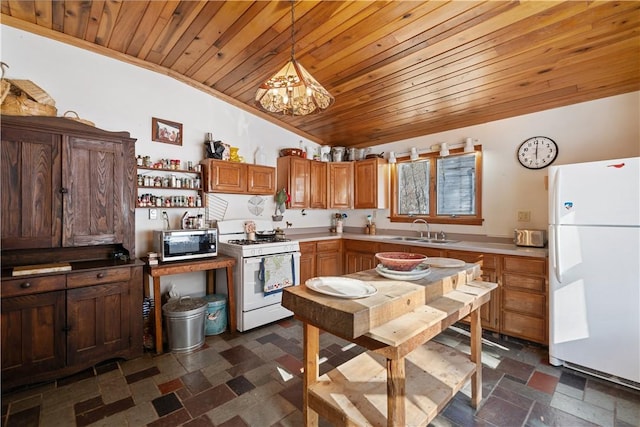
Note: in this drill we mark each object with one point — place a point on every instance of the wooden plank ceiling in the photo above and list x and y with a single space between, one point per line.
397 69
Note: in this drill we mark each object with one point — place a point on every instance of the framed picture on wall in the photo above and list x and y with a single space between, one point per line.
166 131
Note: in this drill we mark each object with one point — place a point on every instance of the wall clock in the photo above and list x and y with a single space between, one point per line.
537 152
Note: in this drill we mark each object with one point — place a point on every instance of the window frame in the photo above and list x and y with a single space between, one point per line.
432 217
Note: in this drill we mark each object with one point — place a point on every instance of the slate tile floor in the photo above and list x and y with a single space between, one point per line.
253 379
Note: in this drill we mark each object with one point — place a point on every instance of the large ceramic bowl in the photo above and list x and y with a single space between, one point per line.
400 261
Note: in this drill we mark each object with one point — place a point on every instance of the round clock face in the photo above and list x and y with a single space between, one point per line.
537 152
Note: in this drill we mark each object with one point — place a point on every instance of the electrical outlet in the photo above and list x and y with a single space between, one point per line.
153 213
524 216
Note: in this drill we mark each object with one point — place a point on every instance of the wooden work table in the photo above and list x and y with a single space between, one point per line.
379 387
179 267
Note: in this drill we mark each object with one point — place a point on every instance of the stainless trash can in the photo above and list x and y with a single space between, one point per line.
185 323
216 318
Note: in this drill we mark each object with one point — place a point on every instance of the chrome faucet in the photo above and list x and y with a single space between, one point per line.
425 223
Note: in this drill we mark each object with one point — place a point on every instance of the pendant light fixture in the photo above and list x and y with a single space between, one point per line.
292 90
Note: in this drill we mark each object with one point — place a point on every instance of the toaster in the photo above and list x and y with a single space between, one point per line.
531 238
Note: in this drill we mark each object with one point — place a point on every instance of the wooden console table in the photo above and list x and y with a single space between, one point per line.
396 324
210 265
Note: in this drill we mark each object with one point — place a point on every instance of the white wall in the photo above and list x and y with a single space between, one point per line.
118 96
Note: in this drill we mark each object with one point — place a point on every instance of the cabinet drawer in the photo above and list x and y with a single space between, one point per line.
523 326
328 246
307 247
525 265
361 246
34 285
524 302
526 282
96 277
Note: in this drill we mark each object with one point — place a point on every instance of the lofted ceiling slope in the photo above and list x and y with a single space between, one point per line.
397 69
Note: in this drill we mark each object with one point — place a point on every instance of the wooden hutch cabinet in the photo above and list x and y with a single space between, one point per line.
68 199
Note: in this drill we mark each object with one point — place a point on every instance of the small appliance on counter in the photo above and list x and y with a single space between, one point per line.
530 238
176 245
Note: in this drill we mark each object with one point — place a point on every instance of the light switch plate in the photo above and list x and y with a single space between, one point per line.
153 213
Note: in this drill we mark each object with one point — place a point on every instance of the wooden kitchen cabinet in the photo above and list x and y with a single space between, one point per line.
489 312
317 185
340 183
261 179
525 298
56 325
66 184
371 184
360 255
320 258
307 261
223 176
293 174
329 257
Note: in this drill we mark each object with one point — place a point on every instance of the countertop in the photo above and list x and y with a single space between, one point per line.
462 245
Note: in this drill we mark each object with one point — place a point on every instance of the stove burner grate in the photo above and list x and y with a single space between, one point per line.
244 242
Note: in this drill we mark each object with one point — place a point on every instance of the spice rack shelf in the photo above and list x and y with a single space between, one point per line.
183 185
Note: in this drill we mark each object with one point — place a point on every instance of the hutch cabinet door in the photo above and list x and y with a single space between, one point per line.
31 198
33 338
94 205
98 320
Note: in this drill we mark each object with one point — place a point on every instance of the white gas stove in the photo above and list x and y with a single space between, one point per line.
254 253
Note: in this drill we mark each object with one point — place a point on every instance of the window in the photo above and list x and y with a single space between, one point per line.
444 190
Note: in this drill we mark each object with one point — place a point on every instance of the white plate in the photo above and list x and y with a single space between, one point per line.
419 269
415 274
341 287
444 262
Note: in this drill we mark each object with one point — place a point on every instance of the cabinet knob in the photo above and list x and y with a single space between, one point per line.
100 275
25 285
64 190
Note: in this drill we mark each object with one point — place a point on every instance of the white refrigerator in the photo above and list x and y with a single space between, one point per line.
594 268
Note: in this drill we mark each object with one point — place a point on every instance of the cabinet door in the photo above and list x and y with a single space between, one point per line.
225 177
33 337
98 320
340 185
371 184
329 264
261 179
318 185
307 261
31 184
94 210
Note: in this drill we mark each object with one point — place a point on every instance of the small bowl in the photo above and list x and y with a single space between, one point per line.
400 261
291 152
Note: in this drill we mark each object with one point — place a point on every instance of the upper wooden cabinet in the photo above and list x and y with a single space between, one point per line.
371 182
318 185
340 183
294 176
66 184
223 176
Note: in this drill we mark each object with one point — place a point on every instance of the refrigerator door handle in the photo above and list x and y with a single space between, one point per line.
555 196
556 253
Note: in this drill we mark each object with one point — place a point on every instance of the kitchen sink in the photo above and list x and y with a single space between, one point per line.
423 240
438 241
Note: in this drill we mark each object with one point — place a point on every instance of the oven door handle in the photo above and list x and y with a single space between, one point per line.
258 259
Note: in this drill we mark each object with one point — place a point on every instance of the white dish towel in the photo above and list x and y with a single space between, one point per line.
277 272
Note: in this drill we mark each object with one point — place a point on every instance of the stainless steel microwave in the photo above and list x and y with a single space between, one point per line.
175 245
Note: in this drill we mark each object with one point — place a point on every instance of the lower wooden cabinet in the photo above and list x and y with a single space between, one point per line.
320 258
360 255
55 325
525 298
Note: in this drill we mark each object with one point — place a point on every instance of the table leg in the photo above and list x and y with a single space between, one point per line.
476 357
232 300
157 313
395 392
311 349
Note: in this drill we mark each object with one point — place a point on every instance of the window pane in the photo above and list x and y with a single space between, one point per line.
456 185
413 188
